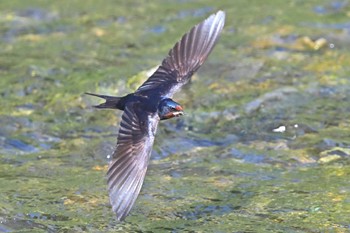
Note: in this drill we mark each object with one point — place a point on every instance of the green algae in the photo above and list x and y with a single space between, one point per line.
223 167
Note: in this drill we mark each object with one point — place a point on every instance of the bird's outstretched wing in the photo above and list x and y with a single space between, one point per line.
128 167
186 57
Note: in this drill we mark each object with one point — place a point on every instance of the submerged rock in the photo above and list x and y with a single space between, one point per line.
277 95
334 154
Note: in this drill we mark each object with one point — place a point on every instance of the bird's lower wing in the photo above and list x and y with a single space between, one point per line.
128 167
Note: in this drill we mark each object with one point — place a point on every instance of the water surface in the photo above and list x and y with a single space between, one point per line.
264 145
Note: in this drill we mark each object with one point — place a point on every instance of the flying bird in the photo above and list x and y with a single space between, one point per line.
149 104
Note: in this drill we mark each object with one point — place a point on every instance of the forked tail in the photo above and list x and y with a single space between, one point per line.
111 101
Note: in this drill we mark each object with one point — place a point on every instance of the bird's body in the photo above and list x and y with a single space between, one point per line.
151 103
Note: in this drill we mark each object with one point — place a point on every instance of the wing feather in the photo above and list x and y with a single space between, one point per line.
185 57
128 167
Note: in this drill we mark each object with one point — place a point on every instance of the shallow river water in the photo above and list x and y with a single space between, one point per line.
264 145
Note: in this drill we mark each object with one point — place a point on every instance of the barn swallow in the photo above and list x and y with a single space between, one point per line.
149 104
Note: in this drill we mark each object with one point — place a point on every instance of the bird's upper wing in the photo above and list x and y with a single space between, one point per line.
186 57
128 167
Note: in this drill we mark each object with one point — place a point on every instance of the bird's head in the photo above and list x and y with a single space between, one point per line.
168 109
